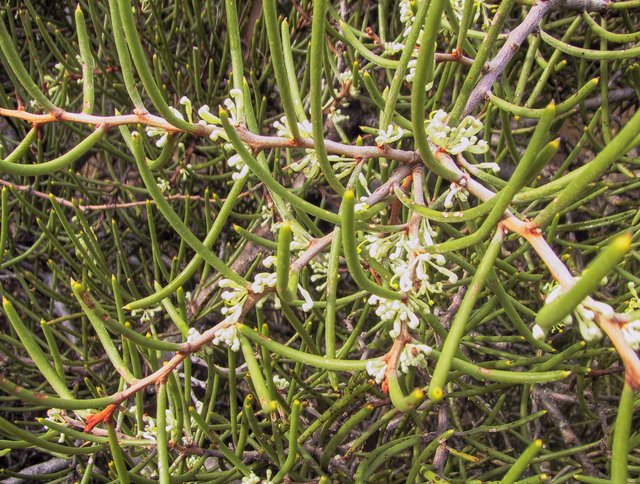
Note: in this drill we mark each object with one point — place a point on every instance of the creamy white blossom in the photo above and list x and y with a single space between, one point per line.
192 335
377 369
413 355
393 47
391 134
262 281
147 314
413 267
234 297
250 479
455 191
284 128
238 165
188 107
631 333
308 302
270 261
235 106
406 12
228 337
396 312
320 268
457 139
584 313
163 184
280 383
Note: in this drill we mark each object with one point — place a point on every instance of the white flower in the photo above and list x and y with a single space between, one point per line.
148 314
250 479
213 122
270 261
308 302
588 328
234 298
284 128
361 206
631 333
458 139
393 47
413 355
377 369
411 73
455 191
633 303
320 267
192 335
262 281
150 429
170 420
280 383
227 336
184 172
241 169
585 314
188 107
152 132
392 133
406 12
163 184
538 332
205 114
235 107
410 261
393 310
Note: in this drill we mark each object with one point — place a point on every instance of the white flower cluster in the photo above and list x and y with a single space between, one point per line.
391 134
412 355
228 337
192 335
584 313
280 383
234 298
283 128
150 429
377 369
147 314
396 312
410 261
320 268
408 18
455 191
235 107
393 47
254 479
458 139
163 134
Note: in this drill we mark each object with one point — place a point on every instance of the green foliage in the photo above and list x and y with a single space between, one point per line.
319 241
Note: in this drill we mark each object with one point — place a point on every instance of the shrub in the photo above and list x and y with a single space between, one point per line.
353 241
